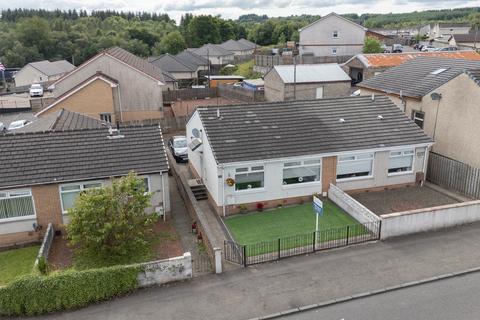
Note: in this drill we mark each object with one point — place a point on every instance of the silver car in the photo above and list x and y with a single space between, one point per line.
179 148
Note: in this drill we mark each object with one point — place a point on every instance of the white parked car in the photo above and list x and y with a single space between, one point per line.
18 124
2 127
36 90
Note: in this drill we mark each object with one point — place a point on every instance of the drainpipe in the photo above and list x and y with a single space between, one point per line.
163 197
119 102
425 161
223 192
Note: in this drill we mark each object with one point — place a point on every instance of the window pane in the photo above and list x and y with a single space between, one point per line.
16 207
70 188
395 154
301 174
92 185
365 156
257 168
401 164
292 164
241 170
357 168
145 184
346 158
312 161
68 199
249 180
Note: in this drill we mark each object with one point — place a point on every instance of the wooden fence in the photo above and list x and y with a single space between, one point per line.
189 94
239 93
454 175
269 60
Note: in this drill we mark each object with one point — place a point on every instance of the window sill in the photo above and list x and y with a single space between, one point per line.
253 190
16 219
403 173
354 179
300 185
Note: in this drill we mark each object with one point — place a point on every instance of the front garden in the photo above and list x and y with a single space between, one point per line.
16 262
289 221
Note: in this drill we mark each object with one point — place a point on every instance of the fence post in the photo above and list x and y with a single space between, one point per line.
278 248
314 240
244 255
348 232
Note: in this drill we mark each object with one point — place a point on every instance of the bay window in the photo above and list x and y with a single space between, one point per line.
249 178
69 193
16 204
301 171
401 161
355 166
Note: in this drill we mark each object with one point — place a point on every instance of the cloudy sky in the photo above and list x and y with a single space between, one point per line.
234 8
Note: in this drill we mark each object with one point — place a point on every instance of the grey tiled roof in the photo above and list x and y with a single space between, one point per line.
212 50
414 78
61 156
136 62
291 129
468 38
170 63
189 57
248 44
53 68
234 45
474 75
68 120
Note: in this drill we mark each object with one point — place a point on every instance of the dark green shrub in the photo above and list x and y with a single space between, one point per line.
42 265
36 294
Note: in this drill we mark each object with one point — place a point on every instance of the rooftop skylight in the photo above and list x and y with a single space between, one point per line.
438 71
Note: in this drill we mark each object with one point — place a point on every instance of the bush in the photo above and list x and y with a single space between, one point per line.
36 294
42 265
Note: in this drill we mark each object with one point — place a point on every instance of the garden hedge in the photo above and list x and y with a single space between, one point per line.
36 294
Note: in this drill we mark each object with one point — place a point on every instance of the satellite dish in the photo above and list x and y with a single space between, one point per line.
196 133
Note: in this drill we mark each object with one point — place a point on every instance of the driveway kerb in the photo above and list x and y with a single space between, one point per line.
368 294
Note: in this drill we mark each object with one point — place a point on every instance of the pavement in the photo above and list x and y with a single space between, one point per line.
303 280
452 298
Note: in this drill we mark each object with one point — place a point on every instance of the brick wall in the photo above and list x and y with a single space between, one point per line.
47 205
329 172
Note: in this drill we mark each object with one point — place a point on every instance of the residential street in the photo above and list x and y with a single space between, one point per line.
454 298
273 287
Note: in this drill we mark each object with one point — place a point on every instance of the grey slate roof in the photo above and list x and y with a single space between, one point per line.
248 44
233 45
190 57
414 78
136 62
212 50
170 63
474 75
300 128
53 68
61 156
466 38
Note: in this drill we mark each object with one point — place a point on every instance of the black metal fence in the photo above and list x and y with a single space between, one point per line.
248 254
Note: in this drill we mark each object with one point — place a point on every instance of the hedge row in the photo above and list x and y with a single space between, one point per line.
37 294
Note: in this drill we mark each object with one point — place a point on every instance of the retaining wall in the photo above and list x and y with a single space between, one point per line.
429 219
164 271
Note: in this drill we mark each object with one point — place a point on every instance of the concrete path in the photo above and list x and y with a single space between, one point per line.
293 282
453 298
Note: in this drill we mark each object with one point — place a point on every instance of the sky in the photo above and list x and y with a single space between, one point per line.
234 8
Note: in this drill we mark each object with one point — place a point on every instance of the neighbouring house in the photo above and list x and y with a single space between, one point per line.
306 81
365 66
332 35
440 30
217 55
42 173
238 48
249 44
42 72
171 83
186 74
441 96
300 148
128 86
465 41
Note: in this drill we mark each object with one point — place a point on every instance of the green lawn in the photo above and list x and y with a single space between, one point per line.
288 221
17 262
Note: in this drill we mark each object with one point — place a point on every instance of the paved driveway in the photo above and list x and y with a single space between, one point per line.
273 287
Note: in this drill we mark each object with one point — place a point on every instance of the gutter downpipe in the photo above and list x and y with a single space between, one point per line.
223 192
120 103
163 196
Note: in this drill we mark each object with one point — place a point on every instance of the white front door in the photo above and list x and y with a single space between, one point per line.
319 94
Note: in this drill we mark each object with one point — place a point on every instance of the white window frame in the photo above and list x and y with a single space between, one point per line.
302 165
82 188
334 51
250 169
355 158
148 183
402 154
106 115
29 191
414 118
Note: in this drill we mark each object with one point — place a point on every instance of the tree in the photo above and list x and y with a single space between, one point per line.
110 225
372 45
172 43
202 30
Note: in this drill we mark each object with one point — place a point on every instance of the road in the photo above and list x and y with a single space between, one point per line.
453 298
273 287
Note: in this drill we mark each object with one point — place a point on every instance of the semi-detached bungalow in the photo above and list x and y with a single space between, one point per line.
282 153
42 173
